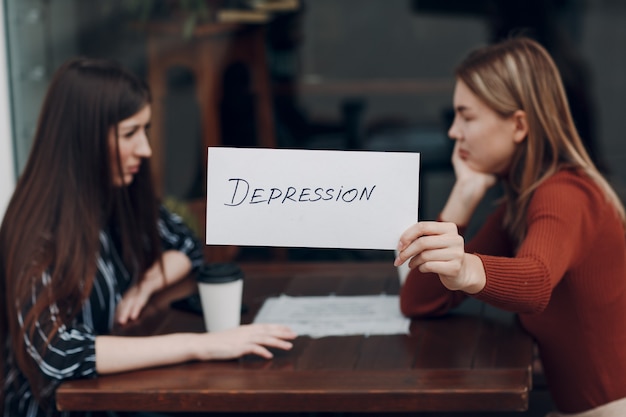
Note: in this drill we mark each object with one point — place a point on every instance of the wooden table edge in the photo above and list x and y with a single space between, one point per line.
399 392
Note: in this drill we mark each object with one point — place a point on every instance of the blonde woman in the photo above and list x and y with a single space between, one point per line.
554 249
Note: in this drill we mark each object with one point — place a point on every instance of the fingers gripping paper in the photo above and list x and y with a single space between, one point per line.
310 198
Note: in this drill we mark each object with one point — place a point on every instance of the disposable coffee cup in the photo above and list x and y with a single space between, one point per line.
221 287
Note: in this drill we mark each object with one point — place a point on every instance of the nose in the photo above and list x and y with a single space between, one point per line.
453 131
143 148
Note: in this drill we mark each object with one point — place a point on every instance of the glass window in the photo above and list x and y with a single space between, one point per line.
7 168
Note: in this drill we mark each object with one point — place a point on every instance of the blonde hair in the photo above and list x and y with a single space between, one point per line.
519 74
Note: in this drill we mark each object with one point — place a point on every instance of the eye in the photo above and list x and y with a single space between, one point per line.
466 117
129 134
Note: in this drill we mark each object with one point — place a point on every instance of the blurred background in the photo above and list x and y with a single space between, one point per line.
308 74
316 74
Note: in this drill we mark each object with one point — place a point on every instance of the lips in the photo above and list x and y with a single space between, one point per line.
133 169
463 154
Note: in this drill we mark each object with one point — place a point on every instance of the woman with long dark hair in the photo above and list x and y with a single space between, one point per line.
554 249
84 243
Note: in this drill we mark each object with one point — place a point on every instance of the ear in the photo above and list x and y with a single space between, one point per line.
520 126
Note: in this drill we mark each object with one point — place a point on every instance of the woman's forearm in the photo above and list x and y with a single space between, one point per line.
176 265
119 354
462 202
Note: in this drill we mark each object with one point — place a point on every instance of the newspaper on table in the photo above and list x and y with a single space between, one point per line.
332 315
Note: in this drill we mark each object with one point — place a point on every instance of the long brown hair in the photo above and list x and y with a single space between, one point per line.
65 196
519 74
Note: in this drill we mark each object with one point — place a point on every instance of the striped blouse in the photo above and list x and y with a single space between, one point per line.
71 353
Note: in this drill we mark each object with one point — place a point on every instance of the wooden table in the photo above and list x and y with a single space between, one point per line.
471 360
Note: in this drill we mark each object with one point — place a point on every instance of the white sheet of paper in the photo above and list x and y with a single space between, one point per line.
336 315
310 198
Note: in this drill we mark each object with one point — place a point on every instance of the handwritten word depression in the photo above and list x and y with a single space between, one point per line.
243 193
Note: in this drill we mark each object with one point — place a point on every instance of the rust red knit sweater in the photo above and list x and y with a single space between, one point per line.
567 281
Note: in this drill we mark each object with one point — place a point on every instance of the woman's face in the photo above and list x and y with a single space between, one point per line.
132 145
486 140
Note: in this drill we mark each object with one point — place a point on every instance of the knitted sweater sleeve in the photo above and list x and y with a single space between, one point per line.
423 294
560 221
560 217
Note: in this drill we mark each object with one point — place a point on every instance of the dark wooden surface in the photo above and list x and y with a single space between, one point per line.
475 359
